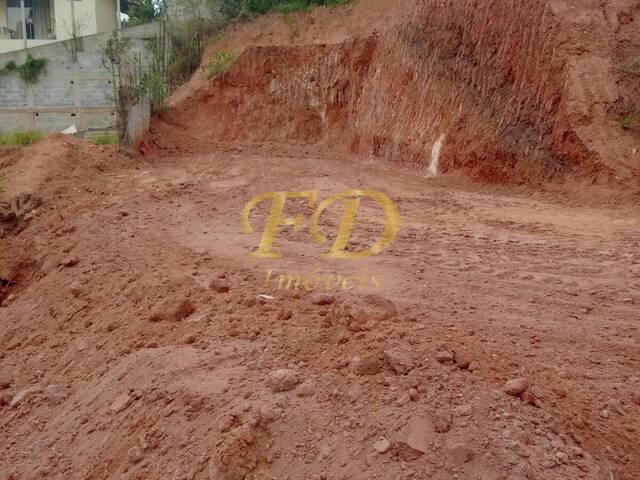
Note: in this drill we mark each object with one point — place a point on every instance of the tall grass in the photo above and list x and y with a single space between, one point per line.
20 138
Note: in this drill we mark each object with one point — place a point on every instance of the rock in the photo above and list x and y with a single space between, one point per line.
635 397
362 313
461 452
323 299
5 382
516 386
413 394
189 338
282 380
69 261
120 403
444 356
5 399
615 405
400 359
462 360
219 285
184 309
464 410
136 455
415 438
355 393
605 413
23 395
54 393
76 289
307 389
382 446
442 421
366 365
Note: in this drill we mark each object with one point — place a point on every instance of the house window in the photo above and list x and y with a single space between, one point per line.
39 19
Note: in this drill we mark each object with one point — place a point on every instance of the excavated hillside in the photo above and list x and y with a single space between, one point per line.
495 338
506 91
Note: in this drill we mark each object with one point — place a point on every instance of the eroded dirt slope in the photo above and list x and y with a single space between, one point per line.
506 91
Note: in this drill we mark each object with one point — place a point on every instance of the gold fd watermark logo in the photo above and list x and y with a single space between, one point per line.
350 201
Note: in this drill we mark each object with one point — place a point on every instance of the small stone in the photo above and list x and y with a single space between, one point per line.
5 383
461 452
184 309
516 386
413 394
282 380
615 405
444 356
323 299
382 446
76 289
136 454
307 389
54 393
23 395
282 402
415 439
400 359
635 397
366 365
189 338
605 413
462 360
355 393
442 421
69 261
121 402
219 285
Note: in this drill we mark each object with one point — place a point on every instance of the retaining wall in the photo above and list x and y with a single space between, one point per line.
70 92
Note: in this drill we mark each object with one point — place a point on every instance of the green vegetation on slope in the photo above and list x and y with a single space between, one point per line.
20 139
235 8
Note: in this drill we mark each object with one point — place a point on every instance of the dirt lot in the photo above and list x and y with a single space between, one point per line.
496 338
138 364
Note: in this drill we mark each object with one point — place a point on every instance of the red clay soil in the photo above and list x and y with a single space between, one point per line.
499 340
516 91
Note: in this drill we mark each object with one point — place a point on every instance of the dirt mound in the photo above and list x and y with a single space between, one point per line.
498 90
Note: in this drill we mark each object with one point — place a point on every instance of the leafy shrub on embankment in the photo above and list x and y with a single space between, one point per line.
235 8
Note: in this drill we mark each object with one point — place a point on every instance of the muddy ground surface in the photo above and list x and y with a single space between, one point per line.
137 340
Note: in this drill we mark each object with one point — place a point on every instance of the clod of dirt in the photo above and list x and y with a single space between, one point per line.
382 446
282 380
400 359
362 313
177 313
54 393
462 360
516 386
442 421
323 299
366 365
219 285
120 403
444 356
415 439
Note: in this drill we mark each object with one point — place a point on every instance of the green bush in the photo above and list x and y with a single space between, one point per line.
236 8
220 63
20 139
106 139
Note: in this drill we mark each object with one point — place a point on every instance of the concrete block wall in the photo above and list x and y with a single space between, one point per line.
70 92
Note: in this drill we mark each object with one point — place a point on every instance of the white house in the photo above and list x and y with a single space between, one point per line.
29 23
